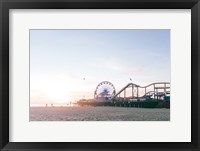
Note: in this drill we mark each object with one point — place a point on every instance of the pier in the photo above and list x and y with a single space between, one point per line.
154 95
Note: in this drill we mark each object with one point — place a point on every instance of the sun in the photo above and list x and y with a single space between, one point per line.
58 92
60 89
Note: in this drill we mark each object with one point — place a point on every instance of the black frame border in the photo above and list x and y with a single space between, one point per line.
5 5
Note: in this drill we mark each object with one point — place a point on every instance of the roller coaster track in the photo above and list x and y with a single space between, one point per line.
149 93
128 85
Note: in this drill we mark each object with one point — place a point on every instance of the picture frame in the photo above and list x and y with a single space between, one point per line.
6 5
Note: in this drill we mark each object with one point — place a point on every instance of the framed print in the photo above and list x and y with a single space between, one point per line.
96 75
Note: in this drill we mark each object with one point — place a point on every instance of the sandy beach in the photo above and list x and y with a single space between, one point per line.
88 113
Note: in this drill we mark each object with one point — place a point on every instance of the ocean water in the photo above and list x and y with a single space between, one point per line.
89 113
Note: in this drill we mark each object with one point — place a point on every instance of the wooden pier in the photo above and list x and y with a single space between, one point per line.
138 104
154 95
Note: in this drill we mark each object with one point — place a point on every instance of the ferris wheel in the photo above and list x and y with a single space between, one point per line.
104 89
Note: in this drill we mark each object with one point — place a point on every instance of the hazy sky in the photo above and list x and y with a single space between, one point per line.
67 65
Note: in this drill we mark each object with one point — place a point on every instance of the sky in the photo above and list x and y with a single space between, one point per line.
67 65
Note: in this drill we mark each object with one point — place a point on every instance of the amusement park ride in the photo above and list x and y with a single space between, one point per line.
105 91
154 95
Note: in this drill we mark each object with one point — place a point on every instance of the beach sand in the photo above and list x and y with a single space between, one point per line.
89 113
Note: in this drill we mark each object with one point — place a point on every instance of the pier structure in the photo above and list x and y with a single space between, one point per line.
154 95
158 91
